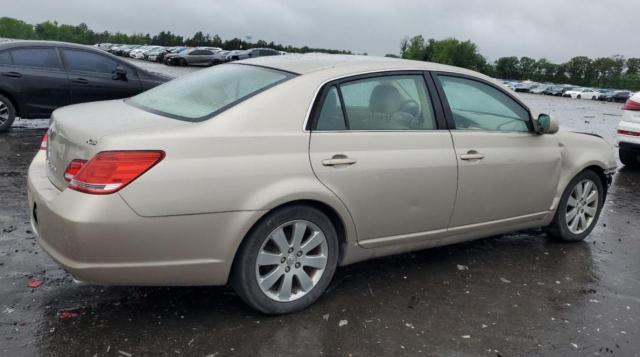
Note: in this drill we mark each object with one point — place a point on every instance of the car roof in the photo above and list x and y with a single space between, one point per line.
309 63
22 43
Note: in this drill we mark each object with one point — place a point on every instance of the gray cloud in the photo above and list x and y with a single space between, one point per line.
556 29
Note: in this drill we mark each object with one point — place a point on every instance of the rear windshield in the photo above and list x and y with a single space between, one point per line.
203 94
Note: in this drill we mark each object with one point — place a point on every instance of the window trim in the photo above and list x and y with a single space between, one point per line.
312 118
447 110
55 50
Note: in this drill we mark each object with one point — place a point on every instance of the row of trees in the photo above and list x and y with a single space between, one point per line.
53 31
607 72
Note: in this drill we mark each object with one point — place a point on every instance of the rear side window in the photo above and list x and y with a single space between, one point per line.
398 102
5 58
200 95
331 117
36 57
83 61
479 106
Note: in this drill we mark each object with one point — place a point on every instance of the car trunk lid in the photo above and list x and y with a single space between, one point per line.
76 132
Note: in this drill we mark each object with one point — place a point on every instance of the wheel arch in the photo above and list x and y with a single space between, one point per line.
12 99
340 223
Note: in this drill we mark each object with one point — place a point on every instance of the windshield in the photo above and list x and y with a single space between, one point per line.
201 95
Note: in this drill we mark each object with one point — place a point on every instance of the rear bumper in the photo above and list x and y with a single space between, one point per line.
100 239
629 142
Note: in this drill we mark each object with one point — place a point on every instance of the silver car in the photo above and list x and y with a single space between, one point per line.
269 173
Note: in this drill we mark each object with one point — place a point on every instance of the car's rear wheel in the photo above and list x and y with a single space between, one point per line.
287 260
629 158
579 96
7 113
579 208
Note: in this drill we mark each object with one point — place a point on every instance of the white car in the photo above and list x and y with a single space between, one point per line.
582 93
139 52
628 139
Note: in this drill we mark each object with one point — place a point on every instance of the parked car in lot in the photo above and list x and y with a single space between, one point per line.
37 77
152 55
520 87
231 54
193 56
607 95
582 93
539 89
169 51
253 53
230 174
554 90
125 52
220 57
138 53
628 138
621 96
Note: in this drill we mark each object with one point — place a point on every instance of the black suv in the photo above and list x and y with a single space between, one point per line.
37 77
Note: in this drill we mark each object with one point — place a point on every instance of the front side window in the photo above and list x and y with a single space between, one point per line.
398 102
199 95
479 106
36 57
83 61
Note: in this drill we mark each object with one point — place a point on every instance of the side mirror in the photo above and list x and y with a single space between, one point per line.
544 124
119 74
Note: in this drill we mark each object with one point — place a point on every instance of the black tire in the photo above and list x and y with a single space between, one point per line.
183 62
7 110
579 96
629 158
558 229
243 276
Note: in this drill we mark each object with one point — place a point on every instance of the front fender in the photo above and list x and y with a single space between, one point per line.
580 151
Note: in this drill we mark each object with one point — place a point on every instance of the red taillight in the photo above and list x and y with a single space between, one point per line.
627 132
45 141
110 171
73 169
631 105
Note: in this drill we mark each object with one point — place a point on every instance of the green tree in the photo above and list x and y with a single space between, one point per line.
508 68
527 67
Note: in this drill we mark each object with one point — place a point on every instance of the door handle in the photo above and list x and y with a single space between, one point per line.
80 81
472 155
12 74
337 160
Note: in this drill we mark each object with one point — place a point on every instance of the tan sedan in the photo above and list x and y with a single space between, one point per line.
269 173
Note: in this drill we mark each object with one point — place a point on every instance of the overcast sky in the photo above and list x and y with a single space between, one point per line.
556 29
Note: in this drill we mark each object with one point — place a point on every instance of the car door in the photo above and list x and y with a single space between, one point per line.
200 56
34 76
505 170
376 143
93 77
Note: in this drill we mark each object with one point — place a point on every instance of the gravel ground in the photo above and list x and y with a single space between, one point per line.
510 295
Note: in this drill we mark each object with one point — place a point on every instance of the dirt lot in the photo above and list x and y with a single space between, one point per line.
509 295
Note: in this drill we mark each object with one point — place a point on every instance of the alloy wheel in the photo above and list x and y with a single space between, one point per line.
4 113
582 206
291 260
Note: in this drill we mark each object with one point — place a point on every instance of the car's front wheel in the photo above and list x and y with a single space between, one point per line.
579 208
287 260
7 113
627 157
